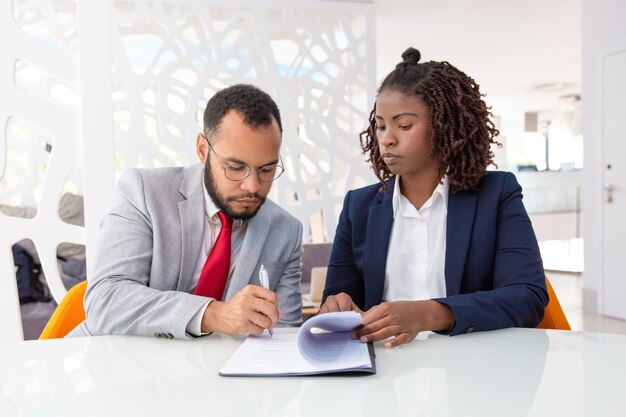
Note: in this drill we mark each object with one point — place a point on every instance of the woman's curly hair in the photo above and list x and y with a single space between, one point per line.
461 121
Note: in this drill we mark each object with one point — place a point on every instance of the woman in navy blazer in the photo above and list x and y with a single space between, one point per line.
429 126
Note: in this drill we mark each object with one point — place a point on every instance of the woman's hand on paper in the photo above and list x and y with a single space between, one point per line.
339 302
252 310
403 320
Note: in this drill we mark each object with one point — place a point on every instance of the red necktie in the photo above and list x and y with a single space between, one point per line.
215 271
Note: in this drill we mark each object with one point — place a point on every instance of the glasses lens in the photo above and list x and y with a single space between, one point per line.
270 173
237 172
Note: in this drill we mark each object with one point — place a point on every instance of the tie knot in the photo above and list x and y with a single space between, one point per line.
227 222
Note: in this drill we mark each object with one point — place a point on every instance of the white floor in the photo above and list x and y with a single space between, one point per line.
568 288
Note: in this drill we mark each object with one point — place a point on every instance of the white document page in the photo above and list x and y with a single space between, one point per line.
324 344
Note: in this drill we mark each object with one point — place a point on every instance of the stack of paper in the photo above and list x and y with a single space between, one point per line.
323 345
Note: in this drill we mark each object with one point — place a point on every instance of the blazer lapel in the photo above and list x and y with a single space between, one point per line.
191 212
379 223
253 242
460 222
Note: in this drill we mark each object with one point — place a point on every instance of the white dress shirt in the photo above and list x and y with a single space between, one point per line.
417 247
212 227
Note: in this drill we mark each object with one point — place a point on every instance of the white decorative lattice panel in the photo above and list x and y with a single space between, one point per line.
314 58
39 160
168 58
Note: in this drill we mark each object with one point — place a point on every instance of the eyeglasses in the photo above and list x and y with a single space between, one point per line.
239 172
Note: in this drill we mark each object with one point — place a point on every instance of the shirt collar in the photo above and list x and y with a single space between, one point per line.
442 188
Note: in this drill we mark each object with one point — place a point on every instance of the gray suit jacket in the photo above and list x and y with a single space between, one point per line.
149 246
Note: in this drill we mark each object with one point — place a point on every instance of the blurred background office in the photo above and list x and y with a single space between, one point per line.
92 88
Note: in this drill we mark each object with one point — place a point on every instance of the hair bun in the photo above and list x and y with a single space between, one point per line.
411 56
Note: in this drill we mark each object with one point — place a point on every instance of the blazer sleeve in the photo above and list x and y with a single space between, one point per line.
518 296
288 289
118 299
343 274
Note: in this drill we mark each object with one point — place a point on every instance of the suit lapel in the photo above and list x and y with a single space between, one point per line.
460 222
379 223
191 212
253 242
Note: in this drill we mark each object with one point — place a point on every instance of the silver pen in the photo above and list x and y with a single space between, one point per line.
265 283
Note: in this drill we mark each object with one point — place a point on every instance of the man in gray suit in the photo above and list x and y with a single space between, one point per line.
154 252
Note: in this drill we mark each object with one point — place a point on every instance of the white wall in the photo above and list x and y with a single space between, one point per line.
603 32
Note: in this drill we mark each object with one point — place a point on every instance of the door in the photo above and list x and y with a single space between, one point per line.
614 195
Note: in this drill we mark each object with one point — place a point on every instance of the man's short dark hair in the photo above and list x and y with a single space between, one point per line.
255 105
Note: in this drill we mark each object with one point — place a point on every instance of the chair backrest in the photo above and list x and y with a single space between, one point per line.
553 317
68 314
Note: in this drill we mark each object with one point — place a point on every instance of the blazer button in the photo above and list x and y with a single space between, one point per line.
469 329
158 335
169 335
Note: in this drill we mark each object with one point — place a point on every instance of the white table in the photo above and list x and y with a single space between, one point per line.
513 372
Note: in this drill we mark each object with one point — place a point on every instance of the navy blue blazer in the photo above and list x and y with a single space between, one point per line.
493 270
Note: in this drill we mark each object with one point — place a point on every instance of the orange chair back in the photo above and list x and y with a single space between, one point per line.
553 317
68 314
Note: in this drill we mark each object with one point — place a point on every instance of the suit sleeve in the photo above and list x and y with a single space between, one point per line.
118 299
343 274
519 294
288 290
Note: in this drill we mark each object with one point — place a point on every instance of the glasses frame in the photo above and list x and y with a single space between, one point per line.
279 165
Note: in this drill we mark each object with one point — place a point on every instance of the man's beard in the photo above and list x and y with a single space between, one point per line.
221 202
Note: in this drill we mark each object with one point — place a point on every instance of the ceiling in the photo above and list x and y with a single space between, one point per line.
525 54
